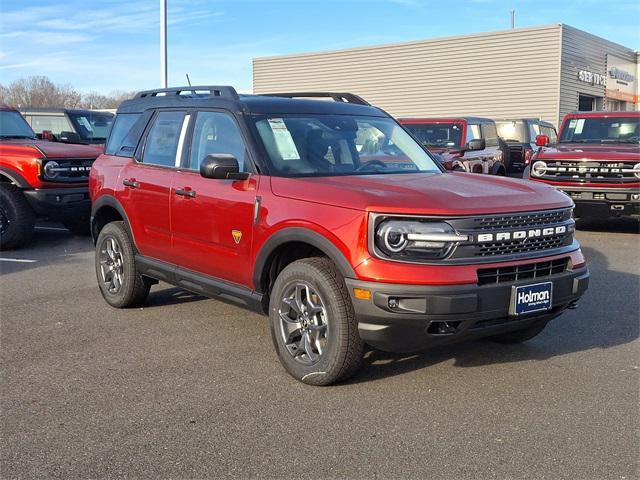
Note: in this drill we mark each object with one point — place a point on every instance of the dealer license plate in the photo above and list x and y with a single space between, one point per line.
531 298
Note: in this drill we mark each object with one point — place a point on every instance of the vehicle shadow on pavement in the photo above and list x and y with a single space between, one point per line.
170 296
607 316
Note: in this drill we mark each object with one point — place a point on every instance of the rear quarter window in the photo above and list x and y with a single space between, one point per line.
121 127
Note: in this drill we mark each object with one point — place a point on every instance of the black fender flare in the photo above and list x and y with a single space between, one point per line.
112 202
15 177
300 234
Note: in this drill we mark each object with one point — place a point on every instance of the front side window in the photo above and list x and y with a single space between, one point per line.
162 142
56 124
217 132
490 134
92 126
602 130
473 133
444 135
12 125
549 132
329 145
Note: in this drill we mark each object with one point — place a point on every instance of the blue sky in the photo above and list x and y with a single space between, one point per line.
103 45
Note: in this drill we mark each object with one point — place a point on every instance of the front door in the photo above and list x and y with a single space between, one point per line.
212 220
146 185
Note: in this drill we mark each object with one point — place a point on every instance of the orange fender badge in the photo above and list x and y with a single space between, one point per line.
237 235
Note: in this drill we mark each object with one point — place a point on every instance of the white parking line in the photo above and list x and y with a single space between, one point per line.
17 260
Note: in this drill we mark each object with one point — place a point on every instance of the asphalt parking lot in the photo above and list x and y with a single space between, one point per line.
189 387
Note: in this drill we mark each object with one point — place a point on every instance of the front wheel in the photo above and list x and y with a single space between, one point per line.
120 282
17 219
313 324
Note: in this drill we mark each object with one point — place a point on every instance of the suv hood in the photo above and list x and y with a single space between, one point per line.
580 151
57 149
423 193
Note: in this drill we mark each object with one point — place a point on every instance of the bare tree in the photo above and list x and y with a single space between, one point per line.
40 91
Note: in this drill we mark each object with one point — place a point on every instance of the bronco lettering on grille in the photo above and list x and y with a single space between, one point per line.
521 234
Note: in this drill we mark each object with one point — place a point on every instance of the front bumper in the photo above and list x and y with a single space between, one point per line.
604 202
463 311
60 203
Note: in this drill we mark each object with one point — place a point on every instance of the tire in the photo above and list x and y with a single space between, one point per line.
342 349
17 218
114 249
78 227
519 336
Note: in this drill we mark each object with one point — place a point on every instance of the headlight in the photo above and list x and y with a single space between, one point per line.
636 170
50 169
411 239
538 168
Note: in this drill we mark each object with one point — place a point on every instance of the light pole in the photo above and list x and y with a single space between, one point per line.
163 44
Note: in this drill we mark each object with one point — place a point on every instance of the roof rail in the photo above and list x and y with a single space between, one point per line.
336 96
200 90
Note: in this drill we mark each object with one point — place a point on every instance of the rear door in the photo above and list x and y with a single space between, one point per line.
212 220
146 184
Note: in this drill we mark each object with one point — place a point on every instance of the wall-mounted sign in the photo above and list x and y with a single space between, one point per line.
592 77
615 72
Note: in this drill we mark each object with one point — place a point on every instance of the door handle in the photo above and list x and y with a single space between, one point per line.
130 182
185 192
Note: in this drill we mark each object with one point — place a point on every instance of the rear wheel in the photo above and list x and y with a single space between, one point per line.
120 283
17 219
313 324
520 336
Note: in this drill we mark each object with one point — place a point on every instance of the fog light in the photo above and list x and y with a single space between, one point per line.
394 303
635 196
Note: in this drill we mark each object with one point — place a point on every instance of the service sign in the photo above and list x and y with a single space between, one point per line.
592 77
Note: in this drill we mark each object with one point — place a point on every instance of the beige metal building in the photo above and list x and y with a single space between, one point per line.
542 72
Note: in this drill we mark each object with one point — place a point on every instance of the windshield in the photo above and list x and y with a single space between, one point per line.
601 130
512 131
328 145
92 125
12 125
437 134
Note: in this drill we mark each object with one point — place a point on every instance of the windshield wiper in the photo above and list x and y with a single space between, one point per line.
17 136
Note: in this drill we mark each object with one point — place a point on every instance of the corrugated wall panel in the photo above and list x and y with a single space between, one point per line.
501 74
583 51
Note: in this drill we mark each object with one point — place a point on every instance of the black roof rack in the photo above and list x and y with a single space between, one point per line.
195 91
336 96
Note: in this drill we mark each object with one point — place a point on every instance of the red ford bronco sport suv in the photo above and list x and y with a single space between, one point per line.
40 179
466 144
596 162
329 218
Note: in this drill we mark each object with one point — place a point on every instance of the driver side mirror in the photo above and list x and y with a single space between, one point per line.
542 140
475 145
222 166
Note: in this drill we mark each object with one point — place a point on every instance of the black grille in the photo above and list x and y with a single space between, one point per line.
516 246
517 220
522 272
589 171
69 170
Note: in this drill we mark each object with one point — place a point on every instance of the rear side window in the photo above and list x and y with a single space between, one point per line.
551 133
56 124
490 134
163 139
473 133
121 127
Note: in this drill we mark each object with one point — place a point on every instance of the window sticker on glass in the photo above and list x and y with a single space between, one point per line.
579 126
284 140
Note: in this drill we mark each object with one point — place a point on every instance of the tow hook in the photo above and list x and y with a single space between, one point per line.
573 305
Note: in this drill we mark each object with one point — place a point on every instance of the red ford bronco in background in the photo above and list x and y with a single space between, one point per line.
329 218
596 162
467 144
40 179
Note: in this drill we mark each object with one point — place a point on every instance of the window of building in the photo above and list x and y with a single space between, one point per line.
161 146
586 103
